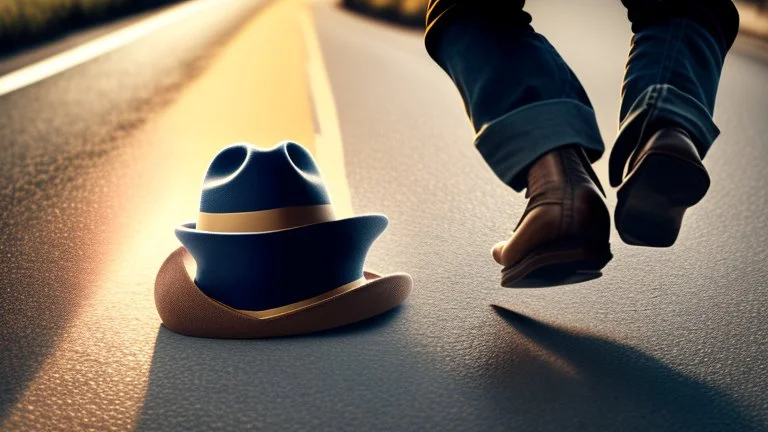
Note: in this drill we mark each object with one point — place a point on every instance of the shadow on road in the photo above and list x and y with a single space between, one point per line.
361 327
263 383
542 280
553 379
615 386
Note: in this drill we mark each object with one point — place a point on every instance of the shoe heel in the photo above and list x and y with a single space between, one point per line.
683 182
654 198
558 261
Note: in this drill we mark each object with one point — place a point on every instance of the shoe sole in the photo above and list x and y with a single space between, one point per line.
655 196
557 261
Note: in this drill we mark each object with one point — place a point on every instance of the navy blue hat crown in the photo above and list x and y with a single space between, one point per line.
267 236
245 178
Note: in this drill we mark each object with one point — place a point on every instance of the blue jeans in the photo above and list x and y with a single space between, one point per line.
524 101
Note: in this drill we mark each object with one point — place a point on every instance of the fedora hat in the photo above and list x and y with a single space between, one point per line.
267 256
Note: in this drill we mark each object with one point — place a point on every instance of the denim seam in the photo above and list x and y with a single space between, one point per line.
651 98
663 77
652 106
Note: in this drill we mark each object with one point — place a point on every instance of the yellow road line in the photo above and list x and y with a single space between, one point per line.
328 142
255 91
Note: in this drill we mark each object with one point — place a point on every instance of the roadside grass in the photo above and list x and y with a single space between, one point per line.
27 21
754 20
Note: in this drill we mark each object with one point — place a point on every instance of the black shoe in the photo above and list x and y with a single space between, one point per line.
566 226
665 177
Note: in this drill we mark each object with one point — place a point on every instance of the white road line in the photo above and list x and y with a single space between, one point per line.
58 63
329 149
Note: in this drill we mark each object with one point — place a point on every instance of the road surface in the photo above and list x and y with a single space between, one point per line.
100 161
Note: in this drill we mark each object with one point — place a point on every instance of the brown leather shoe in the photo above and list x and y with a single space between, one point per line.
566 225
665 177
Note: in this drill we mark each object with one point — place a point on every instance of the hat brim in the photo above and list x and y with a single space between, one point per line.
289 265
185 309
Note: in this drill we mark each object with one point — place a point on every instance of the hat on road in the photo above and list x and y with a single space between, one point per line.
268 254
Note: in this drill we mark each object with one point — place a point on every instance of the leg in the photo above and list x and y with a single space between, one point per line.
668 99
521 97
535 128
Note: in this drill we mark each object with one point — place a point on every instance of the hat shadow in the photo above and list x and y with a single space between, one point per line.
364 326
615 386
181 363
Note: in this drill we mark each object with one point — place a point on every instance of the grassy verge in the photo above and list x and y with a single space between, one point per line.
754 20
23 22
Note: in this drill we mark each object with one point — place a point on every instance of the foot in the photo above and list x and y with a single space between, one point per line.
665 177
566 224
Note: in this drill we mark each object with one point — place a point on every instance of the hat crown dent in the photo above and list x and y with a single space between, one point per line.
244 178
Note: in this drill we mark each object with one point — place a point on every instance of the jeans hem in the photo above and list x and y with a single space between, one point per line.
511 143
659 106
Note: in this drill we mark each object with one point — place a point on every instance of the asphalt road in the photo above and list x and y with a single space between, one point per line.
98 163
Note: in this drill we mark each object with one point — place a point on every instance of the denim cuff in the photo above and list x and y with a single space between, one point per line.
511 143
659 106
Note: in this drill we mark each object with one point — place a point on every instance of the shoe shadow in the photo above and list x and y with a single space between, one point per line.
600 384
549 280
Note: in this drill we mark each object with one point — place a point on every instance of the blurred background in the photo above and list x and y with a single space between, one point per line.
405 12
23 22
27 21
754 17
760 4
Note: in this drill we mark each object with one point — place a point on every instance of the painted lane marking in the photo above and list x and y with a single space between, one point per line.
329 148
63 61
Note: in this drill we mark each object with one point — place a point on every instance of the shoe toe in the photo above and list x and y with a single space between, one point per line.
497 250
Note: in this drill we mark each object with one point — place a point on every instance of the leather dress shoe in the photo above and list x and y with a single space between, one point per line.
566 225
665 177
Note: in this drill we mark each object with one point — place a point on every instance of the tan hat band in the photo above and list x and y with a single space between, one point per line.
265 220
294 307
